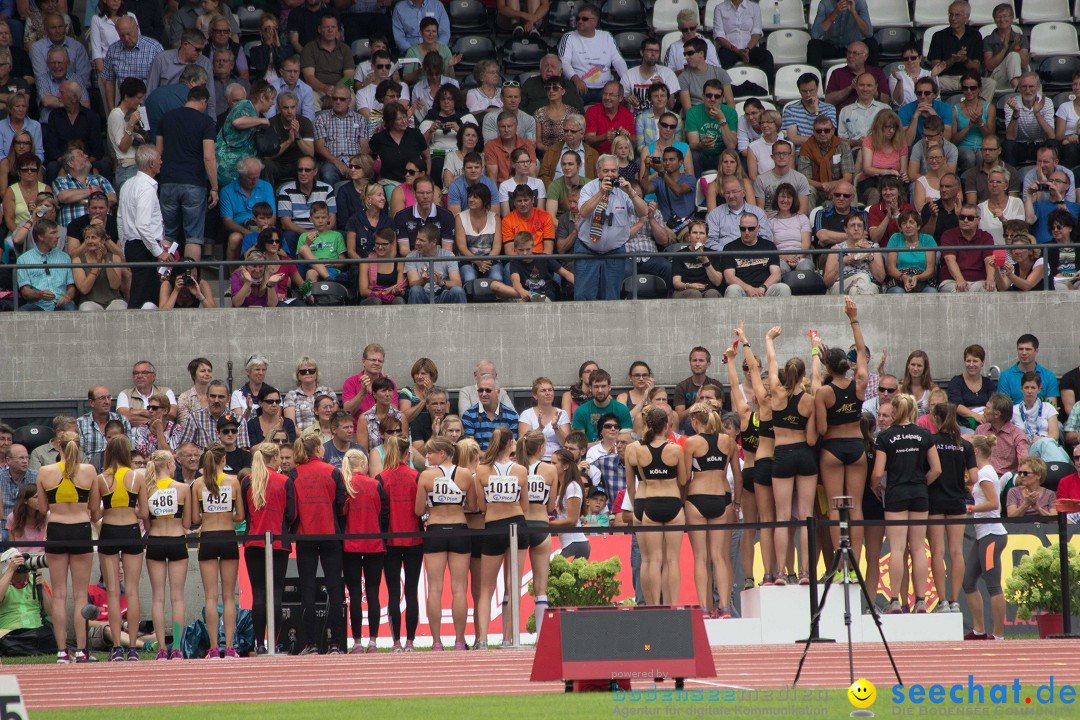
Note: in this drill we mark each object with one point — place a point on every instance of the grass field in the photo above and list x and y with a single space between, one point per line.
588 706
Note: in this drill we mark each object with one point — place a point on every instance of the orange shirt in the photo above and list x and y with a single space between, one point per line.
494 154
539 225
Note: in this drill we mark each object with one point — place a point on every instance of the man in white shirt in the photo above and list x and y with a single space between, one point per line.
723 221
855 119
636 82
588 55
142 230
737 29
511 99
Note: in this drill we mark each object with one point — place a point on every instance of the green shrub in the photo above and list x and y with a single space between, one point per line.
1035 583
580 583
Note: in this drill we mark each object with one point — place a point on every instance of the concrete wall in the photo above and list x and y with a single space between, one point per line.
62 355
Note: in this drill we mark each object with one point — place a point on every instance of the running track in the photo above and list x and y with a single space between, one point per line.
425 674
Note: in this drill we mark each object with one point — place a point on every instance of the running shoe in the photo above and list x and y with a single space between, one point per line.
150 646
310 650
461 645
852 576
396 647
749 584
357 649
894 608
954 607
333 650
409 646
213 654
976 636
117 655
133 654
518 32
480 645
162 654
839 578
260 650
231 654
84 656
176 655
505 644
723 613
792 579
942 607
804 578
535 35
769 579
779 581
919 608
64 657
372 647
437 647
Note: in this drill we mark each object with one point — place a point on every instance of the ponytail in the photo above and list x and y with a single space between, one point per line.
568 473
792 374
708 417
656 420
306 448
530 445
500 439
984 444
212 460
261 455
466 452
158 461
397 449
944 416
354 463
117 454
70 455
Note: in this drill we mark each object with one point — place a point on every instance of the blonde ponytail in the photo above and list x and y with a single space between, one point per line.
70 454
261 455
354 462
212 460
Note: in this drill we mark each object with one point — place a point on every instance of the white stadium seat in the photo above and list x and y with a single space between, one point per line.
982 11
928 35
787 46
1045 11
1054 38
665 13
888 13
931 12
744 73
791 15
786 84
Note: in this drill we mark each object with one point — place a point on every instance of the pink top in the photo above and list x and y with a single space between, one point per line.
29 533
885 159
353 387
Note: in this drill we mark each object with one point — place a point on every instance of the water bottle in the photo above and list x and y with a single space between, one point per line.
776 13
573 16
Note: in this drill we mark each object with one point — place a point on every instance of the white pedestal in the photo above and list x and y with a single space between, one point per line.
948 627
734 631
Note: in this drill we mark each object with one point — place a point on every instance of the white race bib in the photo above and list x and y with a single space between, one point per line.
502 489
222 502
444 491
164 503
538 489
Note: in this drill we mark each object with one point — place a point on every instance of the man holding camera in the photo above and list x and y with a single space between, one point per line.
1055 191
606 207
674 190
609 119
23 630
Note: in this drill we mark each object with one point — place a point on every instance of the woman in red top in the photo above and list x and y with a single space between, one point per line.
399 482
882 217
366 511
317 492
268 509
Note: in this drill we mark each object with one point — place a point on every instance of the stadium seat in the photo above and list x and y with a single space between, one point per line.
931 12
788 46
523 54
811 12
743 73
985 30
622 15
785 84
1038 11
473 49
32 436
928 35
479 291
560 17
252 43
764 103
249 18
888 13
710 13
891 42
648 287
667 41
677 247
999 104
1054 38
468 17
326 293
665 13
982 11
1056 72
791 15
1065 97
522 78
629 44
361 50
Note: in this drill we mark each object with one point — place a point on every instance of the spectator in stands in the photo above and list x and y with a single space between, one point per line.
237 136
759 151
396 144
738 35
484 97
589 55
798 118
103 29
839 26
408 20
16 121
1027 352
966 270
183 288
976 121
1029 121
925 105
220 41
295 197
23 68
168 66
842 89
93 425
300 401
429 34
170 97
697 73
1012 444
527 126
573 141
97 214
303 23
1023 269
159 431
637 83
521 167
497 152
688 22
443 122
44 288
423 92
49 452
225 77
1006 51
131 403
422 213
976 180
753 275
830 223
858 115
73 124
404 195
534 90
791 230
382 283
57 72
1066 124
933 136
957 48
604 218
723 221
14 475
238 200
526 217
1046 162
489 412
766 183
999 207
710 126
558 190
265 59
608 119
202 425
56 37
941 215
913 266
652 152
674 189
650 233
10 83
324 244
130 56
863 272
74 189
826 162
647 121
326 60
884 155
187 148
478 234
255 286
697 277
340 133
142 231
927 186
1038 212
444 285
289 81
382 70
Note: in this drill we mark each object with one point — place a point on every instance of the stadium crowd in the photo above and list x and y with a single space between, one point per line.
312 133
138 476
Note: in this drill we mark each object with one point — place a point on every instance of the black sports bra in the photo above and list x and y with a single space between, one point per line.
790 418
847 408
657 469
751 435
713 459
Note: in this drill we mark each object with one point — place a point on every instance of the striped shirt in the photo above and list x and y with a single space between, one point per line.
293 203
123 62
71 211
92 439
1028 129
304 406
341 133
796 114
480 426
9 490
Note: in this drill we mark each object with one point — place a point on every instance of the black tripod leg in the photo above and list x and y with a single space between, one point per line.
815 621
877 621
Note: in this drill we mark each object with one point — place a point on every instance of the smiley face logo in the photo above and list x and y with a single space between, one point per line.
862 693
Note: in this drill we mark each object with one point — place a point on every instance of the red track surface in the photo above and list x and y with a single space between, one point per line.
426 674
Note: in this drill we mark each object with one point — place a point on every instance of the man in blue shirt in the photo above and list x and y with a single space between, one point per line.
674 190
472 172
838 24
407 17
238 200
924 105
1027 349
46 288
55 29
1040 210
480 420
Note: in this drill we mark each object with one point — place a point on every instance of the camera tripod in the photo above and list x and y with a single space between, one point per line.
844 560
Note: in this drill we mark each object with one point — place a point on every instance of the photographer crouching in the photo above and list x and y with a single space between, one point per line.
24 625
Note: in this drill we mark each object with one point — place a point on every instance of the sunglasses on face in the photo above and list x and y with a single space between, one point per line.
306 371
268 401
886 390
713 96
610 426
484 391
154 407
841 195
228 431
747 229
384 66
970 87
669 126
1024 473
925 93
969 217
410 171
282 441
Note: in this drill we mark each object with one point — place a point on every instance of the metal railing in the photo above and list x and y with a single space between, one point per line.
222 266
